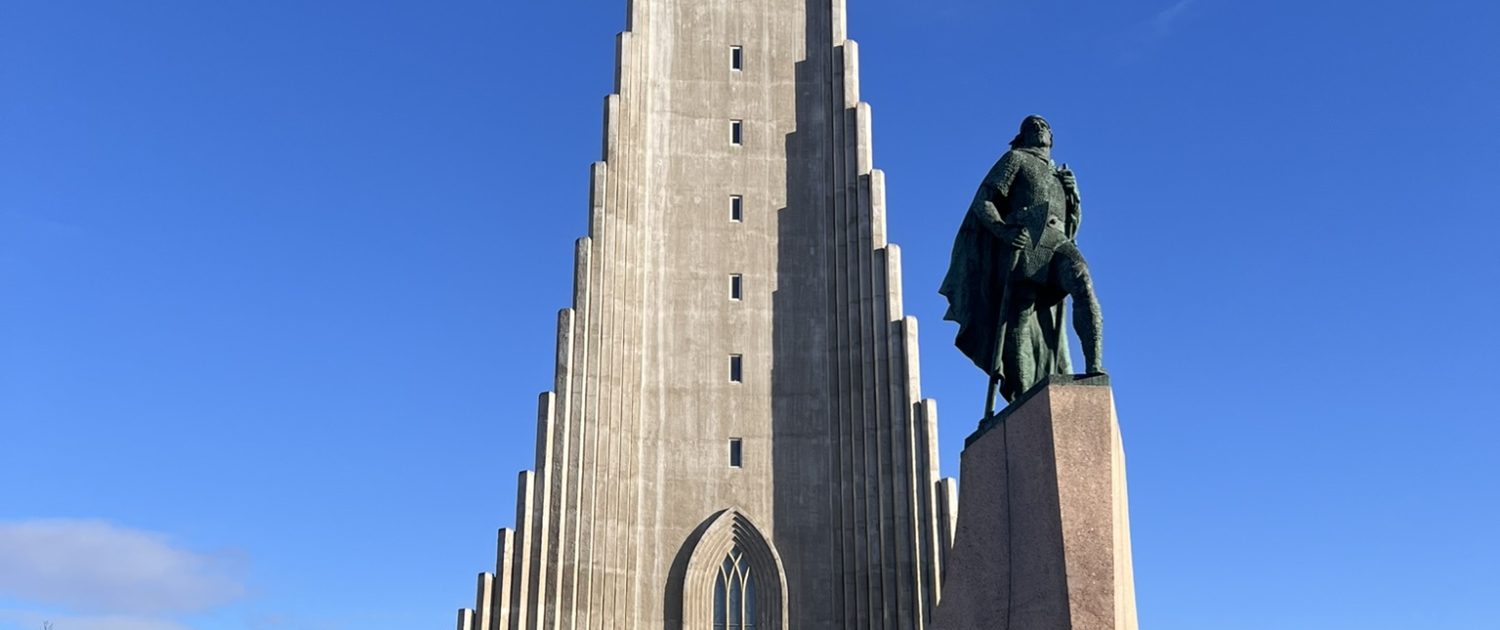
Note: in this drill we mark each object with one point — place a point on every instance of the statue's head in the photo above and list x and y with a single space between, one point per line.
1035 132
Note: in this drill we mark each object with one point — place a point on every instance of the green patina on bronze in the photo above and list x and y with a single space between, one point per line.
1015 261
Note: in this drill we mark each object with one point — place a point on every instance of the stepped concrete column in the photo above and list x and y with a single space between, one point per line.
1043 536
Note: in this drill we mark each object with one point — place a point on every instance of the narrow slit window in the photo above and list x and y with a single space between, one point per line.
736 368
736 132
736 208
736 58
736 286
736 453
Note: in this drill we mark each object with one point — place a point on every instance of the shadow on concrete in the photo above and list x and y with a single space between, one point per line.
805 432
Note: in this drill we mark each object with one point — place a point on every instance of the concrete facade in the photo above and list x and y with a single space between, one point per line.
835 502
1044 537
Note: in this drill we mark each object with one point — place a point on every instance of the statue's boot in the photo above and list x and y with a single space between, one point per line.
1089 324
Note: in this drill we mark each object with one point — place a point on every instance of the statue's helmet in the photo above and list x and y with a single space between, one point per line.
1031 130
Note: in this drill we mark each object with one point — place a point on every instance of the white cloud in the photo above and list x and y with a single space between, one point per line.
1163 21
96 567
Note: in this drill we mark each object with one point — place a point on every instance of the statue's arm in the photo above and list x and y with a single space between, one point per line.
989 217
1075 201
1075 217
992 194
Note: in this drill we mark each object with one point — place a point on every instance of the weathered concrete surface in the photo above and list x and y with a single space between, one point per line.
839 471
1043 539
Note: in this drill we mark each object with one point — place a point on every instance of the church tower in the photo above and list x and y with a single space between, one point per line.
736 437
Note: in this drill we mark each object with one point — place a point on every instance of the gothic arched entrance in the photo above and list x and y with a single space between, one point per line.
734 579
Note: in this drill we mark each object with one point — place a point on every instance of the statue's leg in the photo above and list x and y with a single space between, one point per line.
1018 358
1088 322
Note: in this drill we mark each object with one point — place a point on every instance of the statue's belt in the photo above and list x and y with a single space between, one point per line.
1047 230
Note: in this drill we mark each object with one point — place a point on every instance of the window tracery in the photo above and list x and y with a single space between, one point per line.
734 594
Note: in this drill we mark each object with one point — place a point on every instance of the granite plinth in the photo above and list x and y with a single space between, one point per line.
1043 535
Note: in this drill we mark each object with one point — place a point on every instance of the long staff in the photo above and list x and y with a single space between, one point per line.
995 363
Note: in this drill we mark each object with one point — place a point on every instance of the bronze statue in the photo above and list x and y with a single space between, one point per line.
1014 262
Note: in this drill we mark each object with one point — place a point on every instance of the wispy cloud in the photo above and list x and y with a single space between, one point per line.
1163 22
99 568
1142 36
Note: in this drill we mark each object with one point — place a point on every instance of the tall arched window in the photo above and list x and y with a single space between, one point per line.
734 579
734 594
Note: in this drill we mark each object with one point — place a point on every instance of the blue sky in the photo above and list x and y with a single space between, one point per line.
278 280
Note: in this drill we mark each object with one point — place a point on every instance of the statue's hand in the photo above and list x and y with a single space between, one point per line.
1069 181
1020 239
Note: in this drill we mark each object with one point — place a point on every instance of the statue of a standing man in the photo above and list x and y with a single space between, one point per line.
1014 262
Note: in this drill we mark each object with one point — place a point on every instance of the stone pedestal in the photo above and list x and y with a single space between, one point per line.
1043 537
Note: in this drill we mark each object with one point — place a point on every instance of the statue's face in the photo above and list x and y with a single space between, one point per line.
1036 132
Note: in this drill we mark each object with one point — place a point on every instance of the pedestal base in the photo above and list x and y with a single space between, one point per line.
1043 535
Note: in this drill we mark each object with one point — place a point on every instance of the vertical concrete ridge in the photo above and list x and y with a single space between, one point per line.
564 555
602 375
634 413
609 142
584 518
929 571
909 498
850 448
521 571
552 515
466 619
874 433
948 521
842 550
505 582
623 60
840 20
627 306
852 355
874 320
611 407
605 376
538 517
910 378
555 587
484 609
850 83
590 396
631 588
604 524
861 367
845 565
873 436
906 510
864 150
894 307
653 507
605 396
877 214
631 410
927 449
547 520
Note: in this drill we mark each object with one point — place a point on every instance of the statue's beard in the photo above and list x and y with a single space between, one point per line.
1031 143
1043 151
